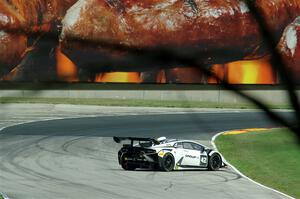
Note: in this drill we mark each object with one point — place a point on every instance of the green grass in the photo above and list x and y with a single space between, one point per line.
124 102
1 197
130 102
271 158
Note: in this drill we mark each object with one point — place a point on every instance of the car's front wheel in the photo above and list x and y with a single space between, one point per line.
214 162
167 162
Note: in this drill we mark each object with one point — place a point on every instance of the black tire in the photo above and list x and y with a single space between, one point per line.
126 165
214 162
167 162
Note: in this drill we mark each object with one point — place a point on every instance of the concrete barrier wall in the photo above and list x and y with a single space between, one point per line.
277 96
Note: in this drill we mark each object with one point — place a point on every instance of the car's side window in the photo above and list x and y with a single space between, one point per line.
187 145
179 145
197 147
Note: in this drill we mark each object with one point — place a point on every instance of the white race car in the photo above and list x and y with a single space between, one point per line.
166 154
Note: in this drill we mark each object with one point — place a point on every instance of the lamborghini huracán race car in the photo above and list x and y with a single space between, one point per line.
166 154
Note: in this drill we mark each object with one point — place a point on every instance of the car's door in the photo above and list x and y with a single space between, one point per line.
191 155
203 155
179 153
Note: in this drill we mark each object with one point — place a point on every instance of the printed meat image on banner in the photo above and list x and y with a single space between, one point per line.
149 41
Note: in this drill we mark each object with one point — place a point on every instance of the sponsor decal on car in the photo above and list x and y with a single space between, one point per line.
161 153
190 156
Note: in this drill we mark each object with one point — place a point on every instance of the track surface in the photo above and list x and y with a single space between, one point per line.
76 158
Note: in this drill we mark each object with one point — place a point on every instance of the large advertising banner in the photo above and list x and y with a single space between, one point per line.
106 40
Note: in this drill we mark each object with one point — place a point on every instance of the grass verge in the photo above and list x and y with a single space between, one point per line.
130 102
269 157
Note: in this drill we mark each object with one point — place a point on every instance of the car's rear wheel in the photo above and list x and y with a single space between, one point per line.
167 162
126 165
214 162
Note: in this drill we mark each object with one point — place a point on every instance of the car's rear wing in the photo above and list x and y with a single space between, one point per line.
132 139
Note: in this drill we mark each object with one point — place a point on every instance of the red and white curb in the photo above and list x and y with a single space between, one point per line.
240 173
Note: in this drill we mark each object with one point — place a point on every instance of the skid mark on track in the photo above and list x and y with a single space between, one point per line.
169 187
38 178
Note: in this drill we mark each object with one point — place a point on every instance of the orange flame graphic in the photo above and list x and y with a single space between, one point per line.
250 72
119 77
66 69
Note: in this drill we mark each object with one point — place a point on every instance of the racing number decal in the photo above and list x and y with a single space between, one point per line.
203 160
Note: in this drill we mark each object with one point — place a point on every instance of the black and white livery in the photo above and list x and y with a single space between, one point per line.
166 154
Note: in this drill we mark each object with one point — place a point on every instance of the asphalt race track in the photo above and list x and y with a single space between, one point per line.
76 158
